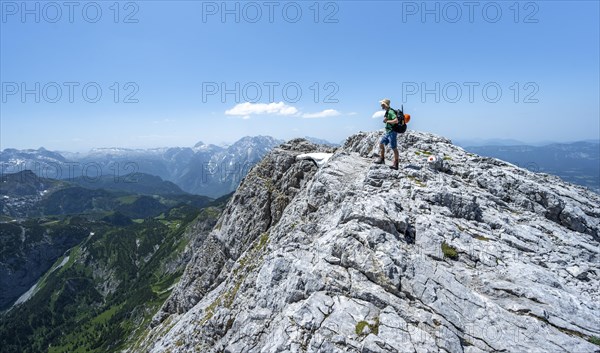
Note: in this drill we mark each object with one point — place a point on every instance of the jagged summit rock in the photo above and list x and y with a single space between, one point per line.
477 255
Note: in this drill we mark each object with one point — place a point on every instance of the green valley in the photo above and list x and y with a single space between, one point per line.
100 291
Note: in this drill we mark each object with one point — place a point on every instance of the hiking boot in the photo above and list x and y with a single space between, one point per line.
379 161
394 167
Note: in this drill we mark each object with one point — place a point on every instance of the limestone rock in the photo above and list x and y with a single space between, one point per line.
476 256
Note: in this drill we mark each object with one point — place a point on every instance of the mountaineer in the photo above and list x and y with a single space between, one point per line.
390 137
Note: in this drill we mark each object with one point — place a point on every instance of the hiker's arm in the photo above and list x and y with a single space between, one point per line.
395 116
395 121
385 119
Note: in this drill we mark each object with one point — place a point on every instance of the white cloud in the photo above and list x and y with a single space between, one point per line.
163 121
378 114
324 114
352 113
246 109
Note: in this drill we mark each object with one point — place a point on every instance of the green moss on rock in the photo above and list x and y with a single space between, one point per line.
449 251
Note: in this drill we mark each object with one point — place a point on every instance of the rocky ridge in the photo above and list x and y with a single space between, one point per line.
460 254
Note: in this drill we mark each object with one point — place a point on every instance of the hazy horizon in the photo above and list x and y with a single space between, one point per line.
461 142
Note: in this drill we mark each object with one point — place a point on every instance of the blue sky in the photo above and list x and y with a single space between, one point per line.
513 70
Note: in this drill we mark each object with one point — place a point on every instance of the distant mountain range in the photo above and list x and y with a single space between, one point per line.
24 195
319 141
204 169
488 142
212 170
577 162
511 142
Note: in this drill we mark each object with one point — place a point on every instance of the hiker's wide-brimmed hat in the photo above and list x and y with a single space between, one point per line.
385 101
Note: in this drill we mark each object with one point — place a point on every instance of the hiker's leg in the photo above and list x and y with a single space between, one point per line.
382 142
394 146
381 159
395 164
